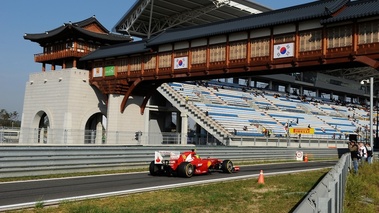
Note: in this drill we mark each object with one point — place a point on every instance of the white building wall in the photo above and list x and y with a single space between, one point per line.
129 122
67 99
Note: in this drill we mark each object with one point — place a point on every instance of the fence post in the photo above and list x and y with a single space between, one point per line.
65 136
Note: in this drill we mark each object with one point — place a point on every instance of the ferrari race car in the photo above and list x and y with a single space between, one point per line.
187 164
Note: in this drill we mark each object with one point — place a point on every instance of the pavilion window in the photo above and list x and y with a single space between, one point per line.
150 61
284 38
368 32
70 45
181 53
164 60
237 50
80 47
260 47
135 63
339 36
217 53
199 55
310 40
122 65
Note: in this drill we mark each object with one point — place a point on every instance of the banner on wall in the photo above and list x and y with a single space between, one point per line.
181 63
284 50
302 130
109 71
97 72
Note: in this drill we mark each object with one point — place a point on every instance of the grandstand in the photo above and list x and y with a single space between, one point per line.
254 112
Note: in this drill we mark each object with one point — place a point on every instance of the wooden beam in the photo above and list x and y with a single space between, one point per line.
368 61
128 93
147 97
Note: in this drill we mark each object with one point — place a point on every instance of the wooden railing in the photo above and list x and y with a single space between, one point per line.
43 57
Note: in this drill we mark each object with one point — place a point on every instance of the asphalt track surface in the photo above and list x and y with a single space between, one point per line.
21 194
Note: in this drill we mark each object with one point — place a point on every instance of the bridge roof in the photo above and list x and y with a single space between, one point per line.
127 48
313 10
171 14
356 9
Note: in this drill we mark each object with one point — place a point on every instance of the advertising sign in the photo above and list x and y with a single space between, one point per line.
181 63
299 155
302 130
109 71
97 72
284 50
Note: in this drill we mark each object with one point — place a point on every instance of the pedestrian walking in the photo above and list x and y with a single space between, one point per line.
354 154
369 153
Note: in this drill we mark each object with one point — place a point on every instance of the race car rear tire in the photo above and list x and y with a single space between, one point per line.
154 169
185 169
227 166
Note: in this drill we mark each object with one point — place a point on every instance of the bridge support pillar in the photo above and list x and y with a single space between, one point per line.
184 130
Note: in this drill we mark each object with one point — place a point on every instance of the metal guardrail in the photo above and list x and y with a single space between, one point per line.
328 195
34 136
21 160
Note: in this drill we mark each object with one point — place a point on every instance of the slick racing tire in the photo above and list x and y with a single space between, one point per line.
154 169
227 166
185 169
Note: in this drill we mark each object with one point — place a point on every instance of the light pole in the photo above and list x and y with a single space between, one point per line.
371 81
377 119
371 110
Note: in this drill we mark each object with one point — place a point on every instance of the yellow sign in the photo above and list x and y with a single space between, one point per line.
302 130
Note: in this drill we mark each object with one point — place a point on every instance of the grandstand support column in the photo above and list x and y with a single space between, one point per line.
371 109
288 89
270 85
184 130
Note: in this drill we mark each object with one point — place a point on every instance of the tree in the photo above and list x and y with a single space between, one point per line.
8 118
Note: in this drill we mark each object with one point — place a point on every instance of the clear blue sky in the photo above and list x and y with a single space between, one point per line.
18 17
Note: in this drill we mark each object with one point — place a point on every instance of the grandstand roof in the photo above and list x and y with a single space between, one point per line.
150 17
318 9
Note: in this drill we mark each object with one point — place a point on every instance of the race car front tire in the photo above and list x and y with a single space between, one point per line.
185 169
227 166
153 169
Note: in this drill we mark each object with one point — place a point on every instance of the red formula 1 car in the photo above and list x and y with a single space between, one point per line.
187 164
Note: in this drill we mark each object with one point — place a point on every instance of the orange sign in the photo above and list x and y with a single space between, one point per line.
302 130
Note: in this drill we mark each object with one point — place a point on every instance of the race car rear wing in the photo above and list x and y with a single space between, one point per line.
159 156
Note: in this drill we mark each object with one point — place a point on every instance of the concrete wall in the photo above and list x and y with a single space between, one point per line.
67 99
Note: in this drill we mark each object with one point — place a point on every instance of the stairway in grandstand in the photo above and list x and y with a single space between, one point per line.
184 103
232 113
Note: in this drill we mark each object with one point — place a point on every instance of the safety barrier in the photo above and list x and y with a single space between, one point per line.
328 195
18 160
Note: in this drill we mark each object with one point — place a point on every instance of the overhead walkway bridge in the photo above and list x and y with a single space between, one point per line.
316 36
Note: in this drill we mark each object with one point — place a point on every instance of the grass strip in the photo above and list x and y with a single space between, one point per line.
362 190
279 194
